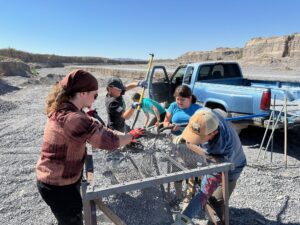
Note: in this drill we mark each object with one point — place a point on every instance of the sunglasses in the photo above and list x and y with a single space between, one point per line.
95 96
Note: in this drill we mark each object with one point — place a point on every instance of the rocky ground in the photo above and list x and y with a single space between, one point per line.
266 193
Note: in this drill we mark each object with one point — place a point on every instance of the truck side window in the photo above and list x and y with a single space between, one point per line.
232 70
188 75
217 72
203 73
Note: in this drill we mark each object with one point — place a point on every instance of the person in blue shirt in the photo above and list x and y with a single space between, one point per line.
182 109
149 106
179 112
209 133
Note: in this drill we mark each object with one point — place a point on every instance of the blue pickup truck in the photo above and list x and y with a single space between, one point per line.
221 85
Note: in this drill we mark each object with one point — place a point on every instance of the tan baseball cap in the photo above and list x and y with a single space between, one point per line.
202 123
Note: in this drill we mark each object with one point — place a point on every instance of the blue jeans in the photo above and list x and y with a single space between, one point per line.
209 184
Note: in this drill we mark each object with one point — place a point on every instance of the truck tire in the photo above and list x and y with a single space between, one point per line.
238 127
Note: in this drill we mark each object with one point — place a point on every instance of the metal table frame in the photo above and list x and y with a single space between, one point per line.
92 198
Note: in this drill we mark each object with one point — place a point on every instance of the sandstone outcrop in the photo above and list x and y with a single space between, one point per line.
260 48
217 54
274 50
294 46
274 47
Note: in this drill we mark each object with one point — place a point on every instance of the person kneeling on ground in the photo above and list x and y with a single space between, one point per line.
150 106
63 153
209 133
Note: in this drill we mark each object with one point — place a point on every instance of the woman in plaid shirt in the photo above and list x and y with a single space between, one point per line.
66 133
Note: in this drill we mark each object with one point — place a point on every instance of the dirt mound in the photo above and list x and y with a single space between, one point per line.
11 67
49 79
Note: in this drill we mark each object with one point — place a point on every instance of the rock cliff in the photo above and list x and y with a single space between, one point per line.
217 54
282 49
294 46
274 47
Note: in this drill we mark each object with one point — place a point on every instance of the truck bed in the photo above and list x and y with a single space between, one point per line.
278 88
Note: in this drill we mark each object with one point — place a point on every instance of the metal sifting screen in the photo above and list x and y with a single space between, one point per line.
153 155
145 172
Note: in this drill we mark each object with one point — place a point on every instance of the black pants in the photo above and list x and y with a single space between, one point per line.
65 202
153 121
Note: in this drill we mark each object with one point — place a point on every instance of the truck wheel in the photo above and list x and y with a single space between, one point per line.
238 127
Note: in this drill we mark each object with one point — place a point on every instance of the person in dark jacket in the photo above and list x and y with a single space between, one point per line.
115 105
63 152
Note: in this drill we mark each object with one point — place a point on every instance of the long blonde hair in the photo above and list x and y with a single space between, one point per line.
56 97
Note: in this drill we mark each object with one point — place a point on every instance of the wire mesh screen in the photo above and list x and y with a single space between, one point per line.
144 173
152 155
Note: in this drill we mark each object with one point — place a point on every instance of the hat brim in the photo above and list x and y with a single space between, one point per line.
122 88
116 84
189 136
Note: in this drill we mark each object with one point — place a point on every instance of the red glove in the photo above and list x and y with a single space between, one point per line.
137 133
91 112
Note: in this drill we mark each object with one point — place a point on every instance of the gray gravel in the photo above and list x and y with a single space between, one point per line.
266 193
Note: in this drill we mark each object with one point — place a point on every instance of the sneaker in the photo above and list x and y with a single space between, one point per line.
182 220
214 219
216 223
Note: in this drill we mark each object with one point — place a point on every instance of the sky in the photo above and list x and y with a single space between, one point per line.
136 28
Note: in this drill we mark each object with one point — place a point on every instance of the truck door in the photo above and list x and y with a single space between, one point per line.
159 84
161 87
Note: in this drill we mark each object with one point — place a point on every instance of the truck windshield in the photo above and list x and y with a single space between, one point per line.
218 71
178 76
